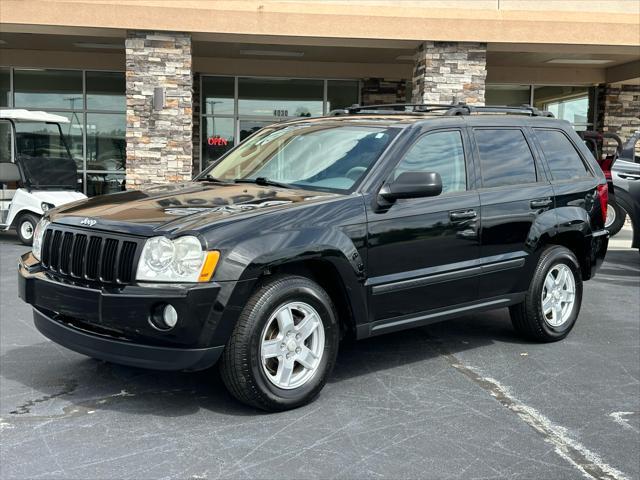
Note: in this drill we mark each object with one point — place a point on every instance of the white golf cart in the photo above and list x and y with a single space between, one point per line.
37 171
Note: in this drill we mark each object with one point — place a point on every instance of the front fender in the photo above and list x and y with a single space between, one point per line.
247 261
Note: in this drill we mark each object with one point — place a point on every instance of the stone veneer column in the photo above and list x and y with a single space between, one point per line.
450 72
619 109
159 148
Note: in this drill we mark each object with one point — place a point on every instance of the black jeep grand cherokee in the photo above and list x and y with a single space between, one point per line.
365 222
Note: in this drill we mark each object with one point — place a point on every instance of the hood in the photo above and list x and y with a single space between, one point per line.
181 208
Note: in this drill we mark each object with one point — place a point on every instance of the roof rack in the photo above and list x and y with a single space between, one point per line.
446 109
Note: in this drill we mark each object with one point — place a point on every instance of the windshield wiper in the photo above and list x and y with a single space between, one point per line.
211 178
262 181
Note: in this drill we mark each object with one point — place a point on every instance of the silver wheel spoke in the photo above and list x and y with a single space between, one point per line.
285 320
307 326
271 348
547 304
285 370
307 359
549 283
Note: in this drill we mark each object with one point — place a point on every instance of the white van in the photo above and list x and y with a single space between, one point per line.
37 171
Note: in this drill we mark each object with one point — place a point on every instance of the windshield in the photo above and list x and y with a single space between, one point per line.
44 157
311 155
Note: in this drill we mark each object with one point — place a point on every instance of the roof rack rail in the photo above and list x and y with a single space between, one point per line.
447 109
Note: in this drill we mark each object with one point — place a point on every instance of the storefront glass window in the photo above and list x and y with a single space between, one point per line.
512 95
48 89
103 183
217 95
268 97
72 132
218 137
106 145
569 103
342 93
5 87
106 91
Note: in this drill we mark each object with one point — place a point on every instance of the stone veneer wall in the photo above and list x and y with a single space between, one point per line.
159 147
376 91
450 72
619 109
195 167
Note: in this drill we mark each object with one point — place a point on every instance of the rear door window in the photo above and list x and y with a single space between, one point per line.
505 157
562 157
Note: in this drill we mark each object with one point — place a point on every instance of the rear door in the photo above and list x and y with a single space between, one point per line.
515 199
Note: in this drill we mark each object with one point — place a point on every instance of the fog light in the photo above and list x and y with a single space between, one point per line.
164 317
169 316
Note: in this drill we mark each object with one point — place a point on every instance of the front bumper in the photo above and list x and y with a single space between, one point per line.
112 323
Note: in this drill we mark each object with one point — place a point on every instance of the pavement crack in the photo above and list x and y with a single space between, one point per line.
69 386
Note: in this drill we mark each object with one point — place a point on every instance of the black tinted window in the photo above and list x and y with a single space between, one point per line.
440 152
563 159
505 157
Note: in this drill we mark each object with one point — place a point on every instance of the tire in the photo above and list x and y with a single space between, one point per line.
529 318
25 226
261 382
615 218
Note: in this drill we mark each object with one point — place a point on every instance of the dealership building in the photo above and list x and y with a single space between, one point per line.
155 90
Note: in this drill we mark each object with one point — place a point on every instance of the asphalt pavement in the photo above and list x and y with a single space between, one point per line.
461 399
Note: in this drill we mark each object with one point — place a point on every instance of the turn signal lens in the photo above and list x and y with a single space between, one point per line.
603 195
209 267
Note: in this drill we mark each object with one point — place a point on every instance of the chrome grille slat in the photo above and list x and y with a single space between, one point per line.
93 256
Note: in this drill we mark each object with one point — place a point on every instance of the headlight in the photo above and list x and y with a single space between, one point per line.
46 206
179 260
38 235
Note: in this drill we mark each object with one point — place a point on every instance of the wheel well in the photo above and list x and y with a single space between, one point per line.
574 241
327 276
22 212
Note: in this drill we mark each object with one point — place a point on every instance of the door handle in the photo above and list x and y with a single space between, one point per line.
540 203
629 176
463 215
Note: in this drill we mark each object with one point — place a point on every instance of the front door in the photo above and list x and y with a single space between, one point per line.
423 252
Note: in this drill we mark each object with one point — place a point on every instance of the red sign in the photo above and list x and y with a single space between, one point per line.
217 141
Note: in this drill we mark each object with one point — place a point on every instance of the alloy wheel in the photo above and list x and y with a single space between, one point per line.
558 295
292 345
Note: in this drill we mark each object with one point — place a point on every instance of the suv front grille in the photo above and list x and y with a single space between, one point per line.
93 256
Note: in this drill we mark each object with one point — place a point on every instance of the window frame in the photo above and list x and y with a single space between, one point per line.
588 167
469 181
538 169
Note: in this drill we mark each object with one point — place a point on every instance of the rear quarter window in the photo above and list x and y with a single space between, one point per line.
562 157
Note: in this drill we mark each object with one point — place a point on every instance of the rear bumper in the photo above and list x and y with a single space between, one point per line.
126 353
597 244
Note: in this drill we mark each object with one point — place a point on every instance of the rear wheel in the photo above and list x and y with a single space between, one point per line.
615 218
552 303
25 226
284 345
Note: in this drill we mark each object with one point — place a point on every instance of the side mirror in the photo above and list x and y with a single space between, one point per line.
9 172
412 185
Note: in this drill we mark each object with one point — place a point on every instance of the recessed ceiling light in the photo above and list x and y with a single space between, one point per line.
405 57
101 46
272 53
579 61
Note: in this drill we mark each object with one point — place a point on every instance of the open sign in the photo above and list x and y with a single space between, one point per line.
217 141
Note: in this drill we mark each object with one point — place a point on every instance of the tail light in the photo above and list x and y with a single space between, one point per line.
606 164
603 196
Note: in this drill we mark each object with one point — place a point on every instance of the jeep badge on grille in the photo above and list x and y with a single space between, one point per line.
88 221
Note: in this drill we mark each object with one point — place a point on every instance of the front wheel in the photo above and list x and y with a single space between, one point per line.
283 346
552 303
25 226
